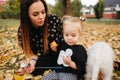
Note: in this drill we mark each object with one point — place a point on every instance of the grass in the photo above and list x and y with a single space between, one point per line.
15 23
92 27
9 23
104 21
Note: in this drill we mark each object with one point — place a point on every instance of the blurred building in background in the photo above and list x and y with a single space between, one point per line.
111 10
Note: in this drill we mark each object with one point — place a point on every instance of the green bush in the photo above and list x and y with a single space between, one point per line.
99 9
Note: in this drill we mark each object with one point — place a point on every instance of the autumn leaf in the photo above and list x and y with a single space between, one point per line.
17 77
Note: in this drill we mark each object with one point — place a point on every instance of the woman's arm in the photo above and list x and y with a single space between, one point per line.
55 29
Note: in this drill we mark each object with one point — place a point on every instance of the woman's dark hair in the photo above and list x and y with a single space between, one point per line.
24 6
25 23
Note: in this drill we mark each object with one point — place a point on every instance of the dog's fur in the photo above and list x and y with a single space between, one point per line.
100 59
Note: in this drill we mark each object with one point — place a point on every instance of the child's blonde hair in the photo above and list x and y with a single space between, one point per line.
75 21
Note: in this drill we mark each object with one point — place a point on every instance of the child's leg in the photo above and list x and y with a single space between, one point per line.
50 76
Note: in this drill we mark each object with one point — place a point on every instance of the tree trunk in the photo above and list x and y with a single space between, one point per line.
66 7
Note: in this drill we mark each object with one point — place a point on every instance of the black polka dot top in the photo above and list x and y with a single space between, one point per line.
36 34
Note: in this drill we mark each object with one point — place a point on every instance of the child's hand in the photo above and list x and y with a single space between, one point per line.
65 57
67 60
53 46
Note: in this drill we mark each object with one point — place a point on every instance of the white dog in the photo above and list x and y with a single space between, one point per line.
100 59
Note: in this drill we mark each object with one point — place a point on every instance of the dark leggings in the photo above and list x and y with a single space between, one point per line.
43 62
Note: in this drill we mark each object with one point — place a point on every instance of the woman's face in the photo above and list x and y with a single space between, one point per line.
37 14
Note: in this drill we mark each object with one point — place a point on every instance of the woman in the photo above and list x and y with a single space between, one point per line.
36 33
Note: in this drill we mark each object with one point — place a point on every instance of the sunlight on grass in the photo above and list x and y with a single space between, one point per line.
9 23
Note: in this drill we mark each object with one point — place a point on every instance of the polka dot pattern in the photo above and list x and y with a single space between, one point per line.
36 34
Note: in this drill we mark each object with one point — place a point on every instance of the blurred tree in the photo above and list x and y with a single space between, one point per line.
66 7
11 9
99 9
2 3
50 8
76 7
58 8
62 7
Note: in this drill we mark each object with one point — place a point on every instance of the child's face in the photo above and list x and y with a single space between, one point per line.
71 34
37 13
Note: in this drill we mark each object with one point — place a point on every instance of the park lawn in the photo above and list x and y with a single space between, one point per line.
15 22
9 23
95 30
104 21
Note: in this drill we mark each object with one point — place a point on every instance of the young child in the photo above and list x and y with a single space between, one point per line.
72 55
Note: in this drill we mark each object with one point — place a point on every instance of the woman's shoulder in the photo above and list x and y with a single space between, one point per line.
53 17
54 20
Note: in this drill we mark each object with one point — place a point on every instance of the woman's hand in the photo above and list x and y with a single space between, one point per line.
28 67
53 46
